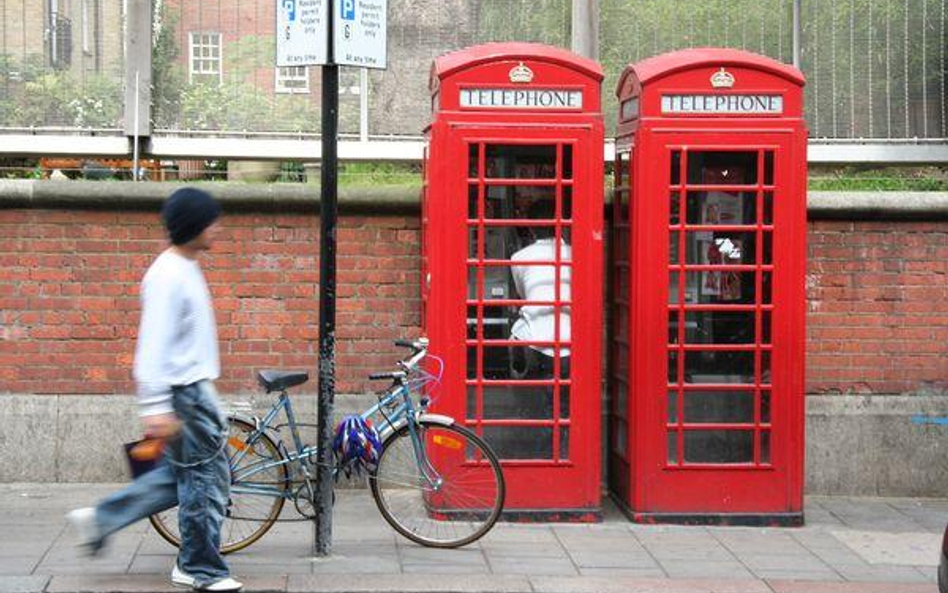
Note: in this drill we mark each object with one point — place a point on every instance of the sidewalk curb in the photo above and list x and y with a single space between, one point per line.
419 583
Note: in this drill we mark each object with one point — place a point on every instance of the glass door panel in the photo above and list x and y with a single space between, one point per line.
720 310
519 302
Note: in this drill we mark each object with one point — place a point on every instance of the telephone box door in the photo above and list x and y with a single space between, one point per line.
524 252
724 420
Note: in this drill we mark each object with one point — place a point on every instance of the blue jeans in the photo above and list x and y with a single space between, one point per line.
194 475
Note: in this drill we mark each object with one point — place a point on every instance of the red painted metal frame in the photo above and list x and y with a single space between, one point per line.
648 484
563 487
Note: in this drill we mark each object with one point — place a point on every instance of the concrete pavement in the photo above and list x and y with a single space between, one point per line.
849 545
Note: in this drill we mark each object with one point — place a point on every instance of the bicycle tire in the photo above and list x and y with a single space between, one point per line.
455 512
233 538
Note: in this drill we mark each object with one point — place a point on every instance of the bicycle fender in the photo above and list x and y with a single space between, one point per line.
433 418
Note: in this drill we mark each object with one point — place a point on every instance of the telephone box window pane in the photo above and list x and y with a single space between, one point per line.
725 407
722 168
673 248
564 442
516 402
720 248
496 322
672 441
719 446
768 208
567 161
765 288
673 367
719 367
506 202
672 407
472 362
496 284
691 288
673 324
724 287
768 167
765 447
765 406
767 257
525 362
765 334
472 160
499 242
674 208
472 209
719 327
520 442
675 167
564 401
523 161
567 213
472 322
720 208
765 367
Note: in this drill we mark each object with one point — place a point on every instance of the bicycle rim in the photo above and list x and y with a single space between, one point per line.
459 510
257 512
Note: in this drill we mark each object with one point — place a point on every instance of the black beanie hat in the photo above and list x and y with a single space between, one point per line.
187 212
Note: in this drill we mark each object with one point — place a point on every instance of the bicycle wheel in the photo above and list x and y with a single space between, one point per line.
249 514
460 507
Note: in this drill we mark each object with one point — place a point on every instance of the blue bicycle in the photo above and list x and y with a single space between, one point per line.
436 482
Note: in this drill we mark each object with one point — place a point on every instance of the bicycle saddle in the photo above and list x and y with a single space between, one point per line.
277 380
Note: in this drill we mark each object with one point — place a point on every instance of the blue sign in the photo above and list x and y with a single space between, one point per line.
348 11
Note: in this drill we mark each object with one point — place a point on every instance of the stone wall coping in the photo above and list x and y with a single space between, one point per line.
296 197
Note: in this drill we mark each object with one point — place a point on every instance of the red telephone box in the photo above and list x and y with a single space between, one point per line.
707 344
512 265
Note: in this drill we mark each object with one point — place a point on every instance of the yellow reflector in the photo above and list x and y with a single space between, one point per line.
445 441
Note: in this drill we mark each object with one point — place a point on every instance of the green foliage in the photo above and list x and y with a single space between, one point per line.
363 173
878 179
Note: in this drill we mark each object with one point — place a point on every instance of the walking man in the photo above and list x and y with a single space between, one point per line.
176 362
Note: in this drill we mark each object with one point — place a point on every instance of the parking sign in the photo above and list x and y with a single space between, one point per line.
360 33
301 31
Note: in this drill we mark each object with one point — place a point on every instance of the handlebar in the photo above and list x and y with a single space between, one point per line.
419 349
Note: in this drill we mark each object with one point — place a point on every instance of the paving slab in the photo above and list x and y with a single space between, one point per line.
791 586
408 583
876 547
23 584
639 585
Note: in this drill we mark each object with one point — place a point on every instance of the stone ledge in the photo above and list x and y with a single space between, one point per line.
294 197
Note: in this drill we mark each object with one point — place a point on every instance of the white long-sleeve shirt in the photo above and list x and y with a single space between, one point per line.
538 283
177 338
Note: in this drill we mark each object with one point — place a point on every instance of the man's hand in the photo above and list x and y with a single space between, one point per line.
161 426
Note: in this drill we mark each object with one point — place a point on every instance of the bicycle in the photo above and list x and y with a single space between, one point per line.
435 482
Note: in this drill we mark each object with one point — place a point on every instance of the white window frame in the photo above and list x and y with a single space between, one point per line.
196 42
285 74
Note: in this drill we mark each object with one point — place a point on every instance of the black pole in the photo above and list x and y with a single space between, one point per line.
327 298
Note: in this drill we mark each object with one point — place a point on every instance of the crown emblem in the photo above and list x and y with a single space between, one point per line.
722 79
521 74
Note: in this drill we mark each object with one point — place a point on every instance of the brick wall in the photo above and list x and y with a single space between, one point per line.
878 307
877 323
69 303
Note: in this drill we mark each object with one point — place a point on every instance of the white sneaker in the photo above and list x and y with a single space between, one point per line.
179 578
83 521
227 585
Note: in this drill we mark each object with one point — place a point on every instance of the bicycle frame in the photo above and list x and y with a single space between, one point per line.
392 418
